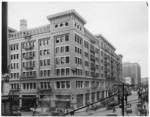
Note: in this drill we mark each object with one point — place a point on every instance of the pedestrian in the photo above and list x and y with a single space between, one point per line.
114 109
72 110
145 111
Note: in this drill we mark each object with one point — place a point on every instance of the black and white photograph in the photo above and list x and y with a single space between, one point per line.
62 58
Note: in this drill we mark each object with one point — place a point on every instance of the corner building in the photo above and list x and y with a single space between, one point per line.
62 63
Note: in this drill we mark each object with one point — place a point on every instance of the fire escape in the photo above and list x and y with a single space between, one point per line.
28 56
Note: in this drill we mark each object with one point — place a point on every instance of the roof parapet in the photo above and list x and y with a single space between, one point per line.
102 37
51 17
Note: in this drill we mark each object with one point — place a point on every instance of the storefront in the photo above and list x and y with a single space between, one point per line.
93 96
44 101
79 98
63 101
28 100
87 97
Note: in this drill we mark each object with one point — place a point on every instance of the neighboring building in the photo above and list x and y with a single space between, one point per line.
61 62
128 80
132 70
144 80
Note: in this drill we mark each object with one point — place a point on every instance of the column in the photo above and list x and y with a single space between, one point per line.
20 101
84 99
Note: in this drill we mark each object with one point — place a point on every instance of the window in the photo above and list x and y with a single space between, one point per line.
62 49
48 51
66 37
41 62
87 84
57 60
41 73
66 23
62 84
62 60
61 24
57 50
68 84
58 85
49 72
61 38
48 61
67 71
57 72
76 59
57 40
86 63
41 51
56 26
79 84
87 73
62 71
67 48
44 72
67 59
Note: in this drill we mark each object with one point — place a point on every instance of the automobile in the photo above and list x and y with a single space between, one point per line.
128 110
111 105
112 114
25 108
56 113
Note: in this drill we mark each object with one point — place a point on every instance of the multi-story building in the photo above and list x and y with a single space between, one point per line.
144 80
61 62
132 70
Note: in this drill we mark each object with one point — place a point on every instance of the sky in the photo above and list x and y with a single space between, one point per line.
124 24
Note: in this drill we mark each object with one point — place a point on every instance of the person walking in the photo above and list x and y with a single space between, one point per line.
145 110
114 109
72 110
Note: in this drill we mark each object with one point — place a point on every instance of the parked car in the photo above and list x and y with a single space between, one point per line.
112 114
111 105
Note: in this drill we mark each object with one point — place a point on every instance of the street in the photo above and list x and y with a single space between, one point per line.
133 99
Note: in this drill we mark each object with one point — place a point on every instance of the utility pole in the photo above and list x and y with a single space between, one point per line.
123 99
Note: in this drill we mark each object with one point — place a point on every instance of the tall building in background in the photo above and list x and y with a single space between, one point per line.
61 63
132 70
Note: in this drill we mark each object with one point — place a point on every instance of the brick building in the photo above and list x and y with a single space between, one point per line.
61 63
132 70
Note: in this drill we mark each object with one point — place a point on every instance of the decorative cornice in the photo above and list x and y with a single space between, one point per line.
51 17
104 39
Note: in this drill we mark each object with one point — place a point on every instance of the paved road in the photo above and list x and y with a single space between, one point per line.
133 99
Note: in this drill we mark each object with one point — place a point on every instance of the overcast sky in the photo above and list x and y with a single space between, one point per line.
124 24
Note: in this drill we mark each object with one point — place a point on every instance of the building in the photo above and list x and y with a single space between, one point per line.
132 70
144 80
61 64
128 80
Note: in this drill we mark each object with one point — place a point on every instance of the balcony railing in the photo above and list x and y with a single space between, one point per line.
29 47
93 67
31 56
92 50
29 67
92 58
29 76
95 86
